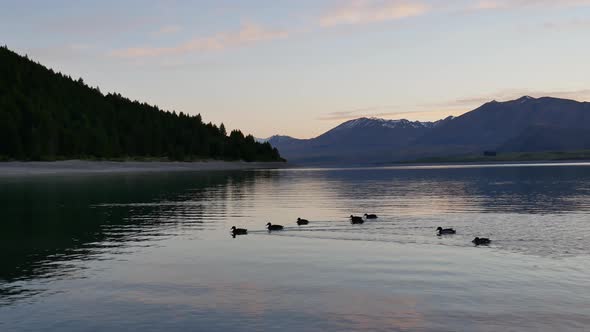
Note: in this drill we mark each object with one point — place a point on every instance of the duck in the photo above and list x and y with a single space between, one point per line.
272 227
481 241
442 231
238 231
370 216
302 221
356 220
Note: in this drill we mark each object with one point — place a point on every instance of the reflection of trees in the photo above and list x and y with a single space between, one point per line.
49 222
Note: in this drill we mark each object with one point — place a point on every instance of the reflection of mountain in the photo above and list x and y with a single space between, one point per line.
47 223
414 190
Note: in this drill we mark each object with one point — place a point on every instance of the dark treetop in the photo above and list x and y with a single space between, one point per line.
46 115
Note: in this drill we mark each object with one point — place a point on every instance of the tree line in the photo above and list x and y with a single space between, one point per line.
45 115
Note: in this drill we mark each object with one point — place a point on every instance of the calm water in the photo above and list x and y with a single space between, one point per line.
153 252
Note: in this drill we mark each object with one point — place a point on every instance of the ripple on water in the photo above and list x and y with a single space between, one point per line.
153 246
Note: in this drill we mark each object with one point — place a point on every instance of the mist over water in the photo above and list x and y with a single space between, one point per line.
154 252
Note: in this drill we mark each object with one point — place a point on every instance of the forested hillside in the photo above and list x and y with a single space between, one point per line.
46 115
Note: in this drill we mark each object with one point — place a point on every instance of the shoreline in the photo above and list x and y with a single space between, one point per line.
84 167
434 164
490 162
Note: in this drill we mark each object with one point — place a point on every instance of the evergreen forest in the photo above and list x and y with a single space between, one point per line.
46 115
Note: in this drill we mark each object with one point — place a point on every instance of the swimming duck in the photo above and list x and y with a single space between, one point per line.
481 241
238 231
356 220
302 221
370 216
442 231
272 227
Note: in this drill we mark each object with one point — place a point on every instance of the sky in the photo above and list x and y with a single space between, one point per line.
301 67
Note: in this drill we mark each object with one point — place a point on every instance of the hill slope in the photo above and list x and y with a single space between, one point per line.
47 115
355 141
523 125
495 124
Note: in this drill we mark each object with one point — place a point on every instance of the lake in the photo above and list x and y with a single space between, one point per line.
153 252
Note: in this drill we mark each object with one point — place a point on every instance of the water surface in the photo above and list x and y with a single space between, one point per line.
152 252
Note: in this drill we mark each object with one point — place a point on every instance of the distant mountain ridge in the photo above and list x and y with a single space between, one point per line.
521 125
378 122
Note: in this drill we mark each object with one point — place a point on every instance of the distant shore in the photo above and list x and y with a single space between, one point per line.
514 157
20 168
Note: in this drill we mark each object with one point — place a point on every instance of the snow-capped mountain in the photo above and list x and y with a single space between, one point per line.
364 138
385 123
524 124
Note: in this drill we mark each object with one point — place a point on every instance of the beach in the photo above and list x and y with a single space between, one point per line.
19 168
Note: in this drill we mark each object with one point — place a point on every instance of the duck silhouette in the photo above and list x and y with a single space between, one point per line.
272 227
238 231
443 231
356 219
481 241
370 216
302 221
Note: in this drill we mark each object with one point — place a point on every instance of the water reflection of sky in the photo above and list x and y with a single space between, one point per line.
139 250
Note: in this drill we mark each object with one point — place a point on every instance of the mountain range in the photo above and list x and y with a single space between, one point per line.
526 124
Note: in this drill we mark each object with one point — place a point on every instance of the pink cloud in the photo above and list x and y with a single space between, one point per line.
368 11
455 107
249 33
511 94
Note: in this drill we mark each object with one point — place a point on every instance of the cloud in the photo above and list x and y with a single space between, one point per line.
455 107
351 12
511 94
372 111
351 115
249 33
369 11
416 112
